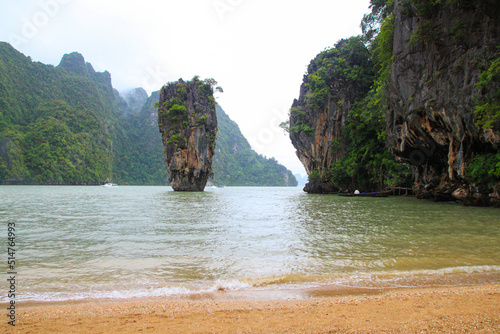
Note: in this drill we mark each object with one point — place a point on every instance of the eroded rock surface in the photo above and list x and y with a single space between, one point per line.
319 115
314 144
438 60
188 123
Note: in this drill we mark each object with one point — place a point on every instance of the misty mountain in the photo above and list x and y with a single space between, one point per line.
66 124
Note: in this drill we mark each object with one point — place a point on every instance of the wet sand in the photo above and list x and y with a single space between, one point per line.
462 309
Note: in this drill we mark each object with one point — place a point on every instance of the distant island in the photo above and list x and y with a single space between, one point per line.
68 125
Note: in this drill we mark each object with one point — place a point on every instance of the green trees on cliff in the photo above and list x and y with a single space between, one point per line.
66 125
488 108
485 168
67 144
52 127
366 163
365 62
347 65
236 164
359 69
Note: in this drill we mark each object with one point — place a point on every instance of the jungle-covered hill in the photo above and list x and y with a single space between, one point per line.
66 124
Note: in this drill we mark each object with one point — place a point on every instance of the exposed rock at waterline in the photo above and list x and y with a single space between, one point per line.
321 126
336 78
439 55
188 123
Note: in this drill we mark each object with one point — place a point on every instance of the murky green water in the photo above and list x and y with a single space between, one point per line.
92 242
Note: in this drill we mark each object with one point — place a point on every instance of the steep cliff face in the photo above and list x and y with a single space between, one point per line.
58 125
336 78
313 141
439 53
188 123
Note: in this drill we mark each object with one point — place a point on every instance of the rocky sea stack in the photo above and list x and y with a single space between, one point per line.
188 123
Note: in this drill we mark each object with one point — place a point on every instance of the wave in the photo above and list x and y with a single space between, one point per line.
287 283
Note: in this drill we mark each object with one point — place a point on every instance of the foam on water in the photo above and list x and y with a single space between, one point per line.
376 280
88 242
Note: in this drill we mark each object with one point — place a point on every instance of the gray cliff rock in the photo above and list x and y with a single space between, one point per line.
314 148
319 116
188 123
438 59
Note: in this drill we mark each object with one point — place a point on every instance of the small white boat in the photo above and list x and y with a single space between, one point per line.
108 184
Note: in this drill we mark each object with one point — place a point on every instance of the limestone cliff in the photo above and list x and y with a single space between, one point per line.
439 53
313 142
188 123
335 80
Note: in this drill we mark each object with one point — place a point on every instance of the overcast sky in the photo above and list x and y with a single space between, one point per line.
257 50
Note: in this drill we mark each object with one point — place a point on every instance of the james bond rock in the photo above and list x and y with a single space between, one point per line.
188 124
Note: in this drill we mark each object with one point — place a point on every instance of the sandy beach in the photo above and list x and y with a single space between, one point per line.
462 309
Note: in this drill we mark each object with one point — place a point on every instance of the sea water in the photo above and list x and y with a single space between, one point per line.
132 241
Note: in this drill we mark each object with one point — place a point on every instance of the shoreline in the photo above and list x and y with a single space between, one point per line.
441 309
282 287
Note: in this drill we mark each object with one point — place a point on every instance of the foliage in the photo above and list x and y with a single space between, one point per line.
359 66
367 164
285 126
370 25
12 166
300 121
484 168
177 109
213 84
382 46
236 164
144 160
63 146
56 123
202 119
301 128
313 176
345 66
63 125
487 110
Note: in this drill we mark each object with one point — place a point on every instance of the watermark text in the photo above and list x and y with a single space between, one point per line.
33 24
11 273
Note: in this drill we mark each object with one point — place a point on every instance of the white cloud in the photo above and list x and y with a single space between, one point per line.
257 50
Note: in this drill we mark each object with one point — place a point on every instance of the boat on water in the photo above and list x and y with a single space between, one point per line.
109 185
365 194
